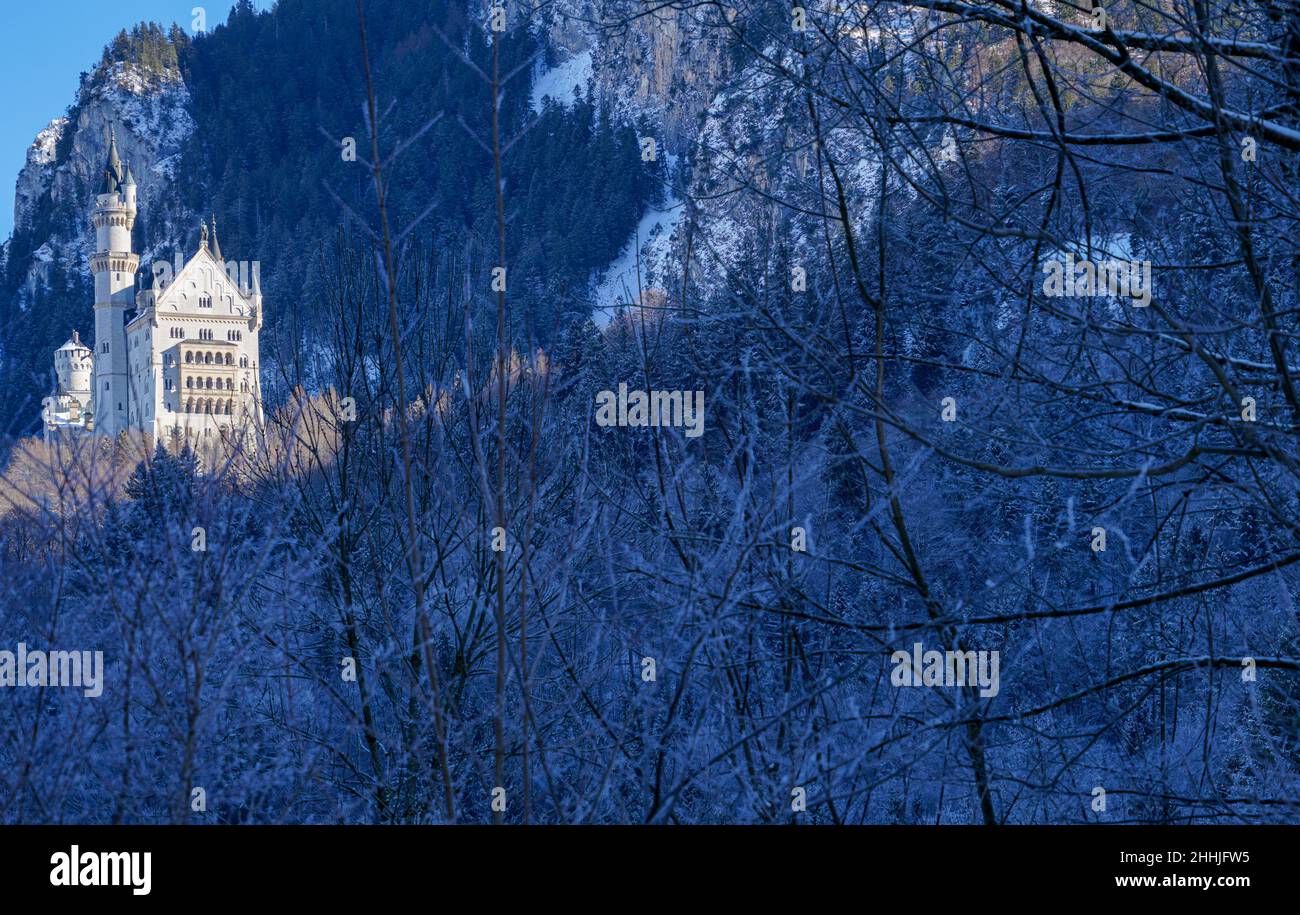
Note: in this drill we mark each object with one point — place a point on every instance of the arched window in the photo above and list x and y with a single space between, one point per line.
189 356
189 405
205 301
230 384
230 360
243 362
207 358
189 382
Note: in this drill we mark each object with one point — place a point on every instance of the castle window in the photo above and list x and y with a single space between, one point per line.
189 382
230 384
230 360
207 358
243 362
189 356
205 301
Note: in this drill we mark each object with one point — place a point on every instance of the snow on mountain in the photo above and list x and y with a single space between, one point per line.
560 82
36 174
646 254
146 109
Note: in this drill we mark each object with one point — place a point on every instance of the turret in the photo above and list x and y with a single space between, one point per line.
128 192
255 294
216 245
74 365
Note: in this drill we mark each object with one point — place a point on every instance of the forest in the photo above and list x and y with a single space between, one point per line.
444 587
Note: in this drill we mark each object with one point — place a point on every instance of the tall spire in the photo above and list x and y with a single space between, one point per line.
216 245
113 167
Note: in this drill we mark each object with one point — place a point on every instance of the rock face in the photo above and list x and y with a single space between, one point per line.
34 179
662 65
662 70
147 112
726 131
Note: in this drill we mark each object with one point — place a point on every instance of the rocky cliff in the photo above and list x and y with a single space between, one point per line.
147 112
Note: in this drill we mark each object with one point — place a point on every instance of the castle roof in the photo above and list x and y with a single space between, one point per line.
205 256
74 343
216 245
113 174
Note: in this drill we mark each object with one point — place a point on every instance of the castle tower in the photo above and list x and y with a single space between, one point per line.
114 265
73 365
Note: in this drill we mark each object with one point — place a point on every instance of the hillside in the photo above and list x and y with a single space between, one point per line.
238 123
859 413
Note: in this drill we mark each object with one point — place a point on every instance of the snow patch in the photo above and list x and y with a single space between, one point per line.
41 152
558 83
648 249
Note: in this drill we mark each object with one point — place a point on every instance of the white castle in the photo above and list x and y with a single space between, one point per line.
185 363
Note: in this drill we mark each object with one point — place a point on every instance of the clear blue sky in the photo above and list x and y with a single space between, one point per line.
44 46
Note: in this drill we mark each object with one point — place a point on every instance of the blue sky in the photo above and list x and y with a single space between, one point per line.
44 46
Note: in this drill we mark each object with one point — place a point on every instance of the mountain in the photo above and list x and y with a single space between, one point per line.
796 486
244 123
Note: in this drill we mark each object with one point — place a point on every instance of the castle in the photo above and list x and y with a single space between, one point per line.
185 363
